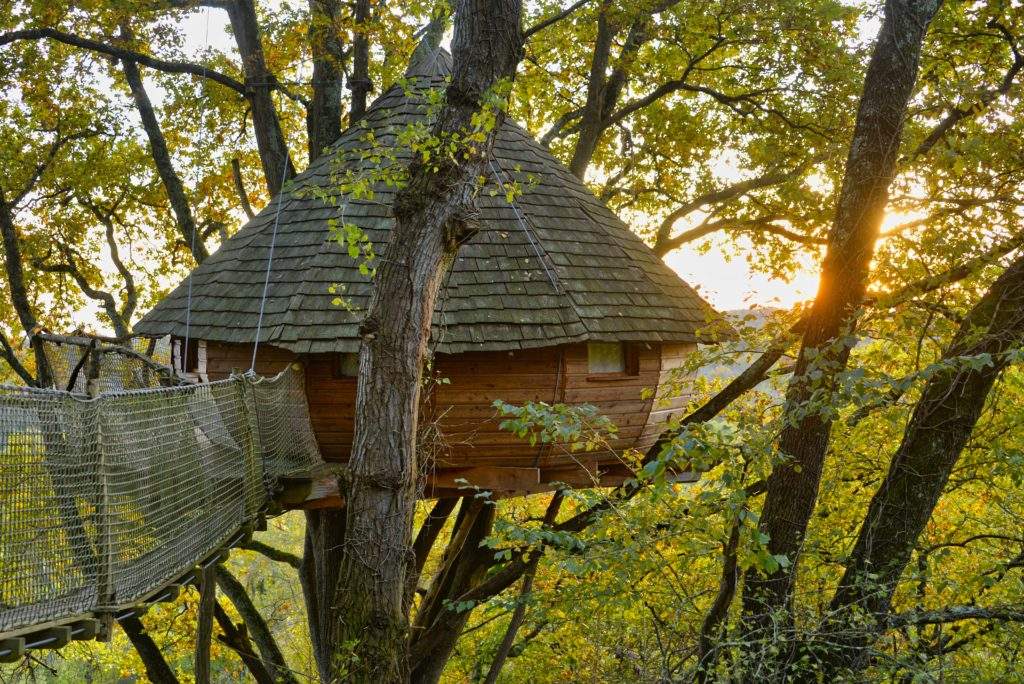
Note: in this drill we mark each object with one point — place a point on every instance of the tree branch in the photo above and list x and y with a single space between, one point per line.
273 553
722 195
985 98
955 614
157 669
755 225
70 267
236 638
553 19
8 354
257 627
170 67
173 186
243 196
948 277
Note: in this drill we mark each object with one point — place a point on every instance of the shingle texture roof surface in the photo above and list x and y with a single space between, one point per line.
555 266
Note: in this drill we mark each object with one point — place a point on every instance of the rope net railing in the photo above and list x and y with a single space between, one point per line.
138 364
105 501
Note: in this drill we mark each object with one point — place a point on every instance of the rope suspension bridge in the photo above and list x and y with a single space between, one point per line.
115 491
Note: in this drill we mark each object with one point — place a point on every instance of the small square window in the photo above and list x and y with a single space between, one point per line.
606 357
346 365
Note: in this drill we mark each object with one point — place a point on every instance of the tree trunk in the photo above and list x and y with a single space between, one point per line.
157 669
204 630
162 159
940 426
14 267
360 82
323 119
432 218
463 566
256 626
590 121
321 560
235 637
514 623
259 83
793 485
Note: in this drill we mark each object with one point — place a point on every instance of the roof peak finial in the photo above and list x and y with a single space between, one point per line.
429 58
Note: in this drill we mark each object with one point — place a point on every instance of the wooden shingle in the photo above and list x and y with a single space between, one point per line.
556 267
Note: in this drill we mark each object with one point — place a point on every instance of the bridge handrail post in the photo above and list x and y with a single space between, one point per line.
104 537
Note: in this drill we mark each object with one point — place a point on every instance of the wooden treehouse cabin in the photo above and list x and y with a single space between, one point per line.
553 300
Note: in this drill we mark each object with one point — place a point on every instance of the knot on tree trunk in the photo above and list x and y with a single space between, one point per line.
368 328
464 225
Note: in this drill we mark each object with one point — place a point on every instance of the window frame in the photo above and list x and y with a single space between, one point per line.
630 364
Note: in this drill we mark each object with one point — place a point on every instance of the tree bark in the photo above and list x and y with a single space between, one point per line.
157 669
270 652
323 118
514 623
15 270
433 216
236 637
259 84
710 629
162 159
870 166
321 560
940 426
425 540
590 121
204 629
360 82
463 566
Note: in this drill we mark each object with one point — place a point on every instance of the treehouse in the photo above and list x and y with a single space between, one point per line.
553 300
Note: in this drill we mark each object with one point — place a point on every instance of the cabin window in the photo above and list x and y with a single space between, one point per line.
346 365
611 358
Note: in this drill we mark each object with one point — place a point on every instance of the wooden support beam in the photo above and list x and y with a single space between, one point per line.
54 637
320 489
482 477
84 630
12 650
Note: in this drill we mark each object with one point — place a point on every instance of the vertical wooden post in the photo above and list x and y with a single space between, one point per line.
104 533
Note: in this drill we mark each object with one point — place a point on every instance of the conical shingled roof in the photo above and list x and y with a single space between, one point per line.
556 267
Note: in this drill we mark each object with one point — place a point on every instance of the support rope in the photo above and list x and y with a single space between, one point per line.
270 262
524 224
195 228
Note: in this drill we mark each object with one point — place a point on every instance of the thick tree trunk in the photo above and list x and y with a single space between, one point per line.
360 82
940 426
323 119
164 166
432 218
793 485
259 84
